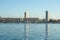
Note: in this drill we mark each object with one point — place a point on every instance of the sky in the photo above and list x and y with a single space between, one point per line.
35 8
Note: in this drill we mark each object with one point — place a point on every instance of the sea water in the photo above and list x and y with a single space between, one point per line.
29 31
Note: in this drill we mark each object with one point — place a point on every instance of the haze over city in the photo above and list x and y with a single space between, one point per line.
35 8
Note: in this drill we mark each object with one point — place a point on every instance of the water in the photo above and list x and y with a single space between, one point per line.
33 31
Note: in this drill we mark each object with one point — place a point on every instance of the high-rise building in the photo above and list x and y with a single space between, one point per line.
46 15
26 15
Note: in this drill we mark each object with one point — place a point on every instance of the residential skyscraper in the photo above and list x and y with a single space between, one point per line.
26 15
46 15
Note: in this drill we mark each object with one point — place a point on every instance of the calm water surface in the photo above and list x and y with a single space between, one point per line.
33 31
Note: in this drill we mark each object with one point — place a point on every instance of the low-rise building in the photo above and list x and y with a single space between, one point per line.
30 20
12 20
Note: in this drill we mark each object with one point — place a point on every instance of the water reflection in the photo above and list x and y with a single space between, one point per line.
26 31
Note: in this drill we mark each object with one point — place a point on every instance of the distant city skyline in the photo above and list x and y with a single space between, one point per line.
35 8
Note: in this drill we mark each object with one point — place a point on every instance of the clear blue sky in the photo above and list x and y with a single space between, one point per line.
36 8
